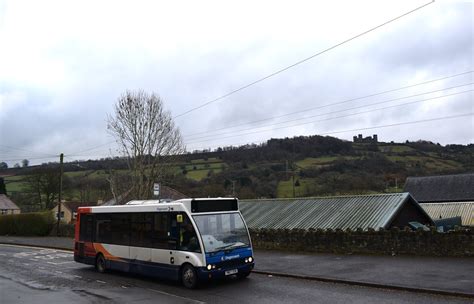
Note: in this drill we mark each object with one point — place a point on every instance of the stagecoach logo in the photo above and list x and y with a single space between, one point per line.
230 257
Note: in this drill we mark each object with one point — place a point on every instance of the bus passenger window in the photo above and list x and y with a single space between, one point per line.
160 231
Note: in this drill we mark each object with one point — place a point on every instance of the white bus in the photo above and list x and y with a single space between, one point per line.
190 240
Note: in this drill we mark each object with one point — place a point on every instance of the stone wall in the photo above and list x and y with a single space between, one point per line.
387 242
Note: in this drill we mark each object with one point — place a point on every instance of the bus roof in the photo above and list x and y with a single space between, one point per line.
194 205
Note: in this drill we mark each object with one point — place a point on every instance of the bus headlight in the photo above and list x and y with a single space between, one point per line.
246 260
250 259
209 267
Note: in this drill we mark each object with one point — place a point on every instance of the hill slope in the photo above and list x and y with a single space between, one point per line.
299 166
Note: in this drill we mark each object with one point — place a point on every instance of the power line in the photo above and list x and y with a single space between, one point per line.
30 158
344 110
24 150
334 103
400 124
352 114
301 61
92 148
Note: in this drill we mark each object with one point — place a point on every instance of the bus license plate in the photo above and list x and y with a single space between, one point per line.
231 272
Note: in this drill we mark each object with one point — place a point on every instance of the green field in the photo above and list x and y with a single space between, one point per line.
285 188
395 148
14 183
319 161
198 175
209 160
198 169
431 163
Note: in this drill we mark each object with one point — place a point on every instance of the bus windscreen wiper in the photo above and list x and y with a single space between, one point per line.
236 245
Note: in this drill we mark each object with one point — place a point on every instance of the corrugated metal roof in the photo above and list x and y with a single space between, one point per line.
362 211
446 210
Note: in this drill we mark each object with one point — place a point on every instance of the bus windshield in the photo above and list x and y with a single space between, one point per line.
223 231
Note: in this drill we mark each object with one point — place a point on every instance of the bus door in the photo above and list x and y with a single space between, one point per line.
174 240
187 244
164 242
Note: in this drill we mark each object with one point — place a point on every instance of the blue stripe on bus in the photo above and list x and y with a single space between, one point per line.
220 256
153 269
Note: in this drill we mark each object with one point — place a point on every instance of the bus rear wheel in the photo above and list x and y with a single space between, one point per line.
189 276
100 263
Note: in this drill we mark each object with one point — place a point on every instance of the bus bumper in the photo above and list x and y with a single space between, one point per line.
84 259
218 274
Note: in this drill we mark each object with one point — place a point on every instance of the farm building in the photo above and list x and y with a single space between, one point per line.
362 211
69 210
442 188
464 210
7 206
445 196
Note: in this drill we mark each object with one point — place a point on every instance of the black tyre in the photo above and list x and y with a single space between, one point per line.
189 276
100 264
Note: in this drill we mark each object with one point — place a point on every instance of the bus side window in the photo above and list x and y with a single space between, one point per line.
86 227
160 231
141 230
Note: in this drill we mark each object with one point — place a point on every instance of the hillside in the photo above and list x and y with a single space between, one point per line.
300 166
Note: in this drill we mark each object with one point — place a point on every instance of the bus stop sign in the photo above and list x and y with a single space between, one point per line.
156 189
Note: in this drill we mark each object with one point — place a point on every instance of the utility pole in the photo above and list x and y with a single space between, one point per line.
61 156
293 182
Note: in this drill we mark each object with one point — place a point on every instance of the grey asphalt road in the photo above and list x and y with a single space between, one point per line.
32 275
443 274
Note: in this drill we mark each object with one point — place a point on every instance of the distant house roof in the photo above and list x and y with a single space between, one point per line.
119 200
443 188
170 193
166 193
364 211
448 210
7 204
72 206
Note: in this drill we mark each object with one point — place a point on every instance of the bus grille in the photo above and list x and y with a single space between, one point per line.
230 263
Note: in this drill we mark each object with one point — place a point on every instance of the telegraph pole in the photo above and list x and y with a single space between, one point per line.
293 182
61 156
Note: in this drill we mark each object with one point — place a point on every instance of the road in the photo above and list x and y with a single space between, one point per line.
33 275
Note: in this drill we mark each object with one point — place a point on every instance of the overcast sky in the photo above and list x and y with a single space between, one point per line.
63 64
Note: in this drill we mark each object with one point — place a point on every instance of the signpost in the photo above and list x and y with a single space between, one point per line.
156 190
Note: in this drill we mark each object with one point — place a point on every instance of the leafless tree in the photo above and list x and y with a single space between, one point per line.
44 183
148 138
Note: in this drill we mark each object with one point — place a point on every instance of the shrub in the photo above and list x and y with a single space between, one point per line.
66 230
36 223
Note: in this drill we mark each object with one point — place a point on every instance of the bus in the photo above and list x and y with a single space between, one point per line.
189 240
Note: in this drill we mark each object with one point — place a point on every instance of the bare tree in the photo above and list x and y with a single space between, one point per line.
148 138
44 183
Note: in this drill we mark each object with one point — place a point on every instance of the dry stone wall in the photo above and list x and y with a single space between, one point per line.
386 242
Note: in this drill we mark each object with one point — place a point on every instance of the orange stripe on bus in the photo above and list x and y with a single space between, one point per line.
100 248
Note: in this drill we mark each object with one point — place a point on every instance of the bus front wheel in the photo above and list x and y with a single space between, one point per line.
100 263
189 276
